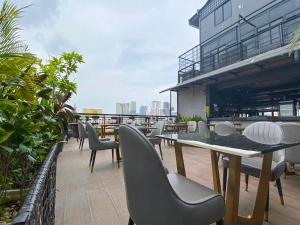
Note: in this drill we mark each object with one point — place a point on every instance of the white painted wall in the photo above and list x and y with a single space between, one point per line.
192 101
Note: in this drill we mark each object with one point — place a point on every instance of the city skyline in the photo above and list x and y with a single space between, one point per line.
121 59
155 108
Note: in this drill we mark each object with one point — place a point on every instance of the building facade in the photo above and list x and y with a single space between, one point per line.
122 108
143 110
241 66
156 108
133 107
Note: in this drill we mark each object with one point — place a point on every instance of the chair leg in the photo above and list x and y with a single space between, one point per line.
130 222
118 157
112 154
82 143
94 157
225 171
91 157
267 207
279 188
247 181
161 154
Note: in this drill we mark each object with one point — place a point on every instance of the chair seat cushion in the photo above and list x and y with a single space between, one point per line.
252 167
104 145
155 140
206 204
190 191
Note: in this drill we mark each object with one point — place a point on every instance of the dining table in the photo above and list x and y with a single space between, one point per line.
176 127
103 128
143 129
235 147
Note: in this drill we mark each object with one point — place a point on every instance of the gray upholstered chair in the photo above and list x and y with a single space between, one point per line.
155 197
264 133
96 144
192 126
291 133
202 127
83 134
225 128
159 125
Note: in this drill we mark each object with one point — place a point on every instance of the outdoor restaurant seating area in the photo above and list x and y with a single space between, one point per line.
176 174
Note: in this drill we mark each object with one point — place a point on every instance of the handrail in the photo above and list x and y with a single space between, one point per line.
39 205
239 51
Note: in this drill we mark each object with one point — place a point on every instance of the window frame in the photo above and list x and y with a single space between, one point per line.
221 7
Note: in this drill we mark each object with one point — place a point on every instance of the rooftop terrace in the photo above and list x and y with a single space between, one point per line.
99 198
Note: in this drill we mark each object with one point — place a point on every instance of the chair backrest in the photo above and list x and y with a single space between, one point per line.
266 133
148 190
225 128
192 126
291 133
92 136
159 125
202 127
81 130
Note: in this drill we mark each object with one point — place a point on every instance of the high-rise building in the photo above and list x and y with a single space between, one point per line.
132 107
118 108
156 108
166 109
122 108
143 110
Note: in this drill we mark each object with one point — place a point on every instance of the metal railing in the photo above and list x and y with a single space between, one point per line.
120 118
39 205
192 63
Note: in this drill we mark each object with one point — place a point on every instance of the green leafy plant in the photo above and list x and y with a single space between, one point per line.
34 109
196 118
294 40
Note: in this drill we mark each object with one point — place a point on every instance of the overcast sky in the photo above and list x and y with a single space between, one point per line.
130 47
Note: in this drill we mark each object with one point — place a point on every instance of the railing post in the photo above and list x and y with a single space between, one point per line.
194 70
241 51
281 35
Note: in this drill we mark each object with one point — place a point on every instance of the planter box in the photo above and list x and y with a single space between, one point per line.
39 205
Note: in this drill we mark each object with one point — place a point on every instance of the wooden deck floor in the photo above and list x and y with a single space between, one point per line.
99 198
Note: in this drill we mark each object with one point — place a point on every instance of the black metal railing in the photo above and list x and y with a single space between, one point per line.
120 118
193 63
39 205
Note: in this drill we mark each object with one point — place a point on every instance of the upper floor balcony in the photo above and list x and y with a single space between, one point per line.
195 62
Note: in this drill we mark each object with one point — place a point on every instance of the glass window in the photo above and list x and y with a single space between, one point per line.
223 13
227 10
218 15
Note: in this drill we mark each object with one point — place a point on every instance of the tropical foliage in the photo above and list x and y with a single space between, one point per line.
294 40
33 104
186 119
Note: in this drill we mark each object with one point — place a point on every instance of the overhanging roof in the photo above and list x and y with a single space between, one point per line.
281 52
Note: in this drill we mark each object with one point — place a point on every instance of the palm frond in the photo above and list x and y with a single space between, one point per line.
294 40
9 30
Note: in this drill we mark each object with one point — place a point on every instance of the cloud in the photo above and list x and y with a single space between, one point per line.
131 47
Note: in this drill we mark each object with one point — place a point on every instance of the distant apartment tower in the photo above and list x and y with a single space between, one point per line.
166 109
143 110
132 107
156 108
122 108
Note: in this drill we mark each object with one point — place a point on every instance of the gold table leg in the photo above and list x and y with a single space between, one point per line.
179 159
233 190
257 217
215 170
